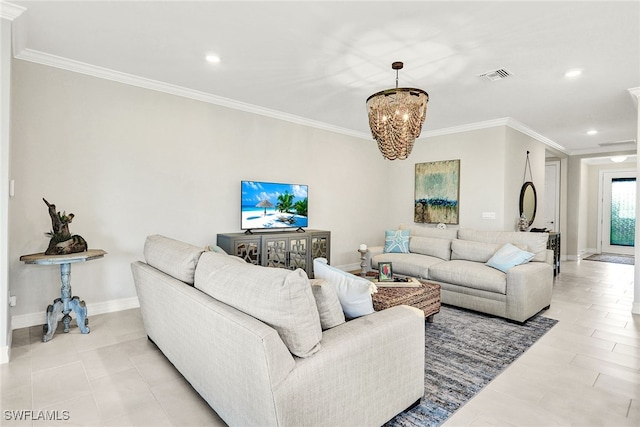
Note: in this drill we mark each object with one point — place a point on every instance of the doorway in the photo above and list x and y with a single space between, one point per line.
618 209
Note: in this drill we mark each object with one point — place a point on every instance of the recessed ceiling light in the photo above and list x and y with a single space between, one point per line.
573 73
592 132
618 159
212 58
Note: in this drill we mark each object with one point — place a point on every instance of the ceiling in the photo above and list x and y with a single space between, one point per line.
316 62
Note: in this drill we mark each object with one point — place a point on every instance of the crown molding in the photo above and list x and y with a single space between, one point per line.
10 11
505 121
465 128
133 80
514 124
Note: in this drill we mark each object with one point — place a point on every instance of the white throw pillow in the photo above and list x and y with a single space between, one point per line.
353 292
328 304
509 256
216 249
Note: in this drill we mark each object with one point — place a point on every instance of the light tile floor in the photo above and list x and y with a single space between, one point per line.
584 372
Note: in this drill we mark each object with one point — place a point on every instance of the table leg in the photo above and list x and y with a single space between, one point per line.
80 309
53 311
65 304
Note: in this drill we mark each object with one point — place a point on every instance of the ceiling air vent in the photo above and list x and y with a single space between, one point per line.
492 76
614 143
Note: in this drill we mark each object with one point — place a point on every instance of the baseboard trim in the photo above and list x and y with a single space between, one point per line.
34 319
4 354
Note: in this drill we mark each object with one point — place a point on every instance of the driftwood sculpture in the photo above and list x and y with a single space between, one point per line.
62 242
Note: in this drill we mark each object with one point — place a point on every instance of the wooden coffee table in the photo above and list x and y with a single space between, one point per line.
426 298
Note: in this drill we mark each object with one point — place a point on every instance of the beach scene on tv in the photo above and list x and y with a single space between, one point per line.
273 205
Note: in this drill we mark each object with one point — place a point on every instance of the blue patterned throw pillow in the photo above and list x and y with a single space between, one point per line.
396 241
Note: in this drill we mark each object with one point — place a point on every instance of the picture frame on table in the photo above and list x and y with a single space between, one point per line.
385 272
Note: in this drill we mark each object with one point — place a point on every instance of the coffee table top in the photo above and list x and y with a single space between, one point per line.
411 283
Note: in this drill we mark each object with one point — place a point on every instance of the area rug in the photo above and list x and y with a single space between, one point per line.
615 258
464 351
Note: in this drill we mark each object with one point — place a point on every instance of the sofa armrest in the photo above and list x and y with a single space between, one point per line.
368 370
550 258
214 346
529 289
368 257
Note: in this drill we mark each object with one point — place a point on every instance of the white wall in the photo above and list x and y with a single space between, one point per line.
516 147
492 165
5 90
129 162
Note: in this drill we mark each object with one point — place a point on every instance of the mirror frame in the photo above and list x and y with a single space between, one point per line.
526 188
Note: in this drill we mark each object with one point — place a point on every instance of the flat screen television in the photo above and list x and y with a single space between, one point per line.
269 205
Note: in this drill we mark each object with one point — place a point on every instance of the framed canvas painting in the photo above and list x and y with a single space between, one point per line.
437 192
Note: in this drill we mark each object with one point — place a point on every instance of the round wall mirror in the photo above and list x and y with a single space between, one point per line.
528 201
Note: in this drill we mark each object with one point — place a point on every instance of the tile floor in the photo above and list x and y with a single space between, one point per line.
584 372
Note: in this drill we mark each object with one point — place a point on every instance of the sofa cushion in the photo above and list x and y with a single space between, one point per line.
176 258
439 248
438 233
508 256
396 241
327 302
281 298
473 251
535 242
470 274
414 265
354 293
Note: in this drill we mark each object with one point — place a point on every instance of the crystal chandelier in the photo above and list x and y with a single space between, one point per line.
396 117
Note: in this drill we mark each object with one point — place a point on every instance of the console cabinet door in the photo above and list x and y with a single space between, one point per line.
298 253
285 252
320 246
247 248
275 252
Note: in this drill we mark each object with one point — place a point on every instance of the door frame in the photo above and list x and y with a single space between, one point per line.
617 173
556 214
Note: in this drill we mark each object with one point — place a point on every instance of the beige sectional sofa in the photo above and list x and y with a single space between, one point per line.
456 259
249 339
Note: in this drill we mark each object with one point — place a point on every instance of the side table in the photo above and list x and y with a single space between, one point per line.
66 302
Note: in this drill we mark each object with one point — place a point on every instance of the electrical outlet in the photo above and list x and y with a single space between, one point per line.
13 301
488 215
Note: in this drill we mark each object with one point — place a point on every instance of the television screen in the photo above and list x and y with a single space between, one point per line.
273 205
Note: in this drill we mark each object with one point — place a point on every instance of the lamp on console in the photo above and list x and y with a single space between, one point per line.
396 117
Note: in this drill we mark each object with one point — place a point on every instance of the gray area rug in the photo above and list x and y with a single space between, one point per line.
615 258
464 351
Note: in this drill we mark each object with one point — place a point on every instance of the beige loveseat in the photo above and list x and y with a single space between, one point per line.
456 259
203 311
